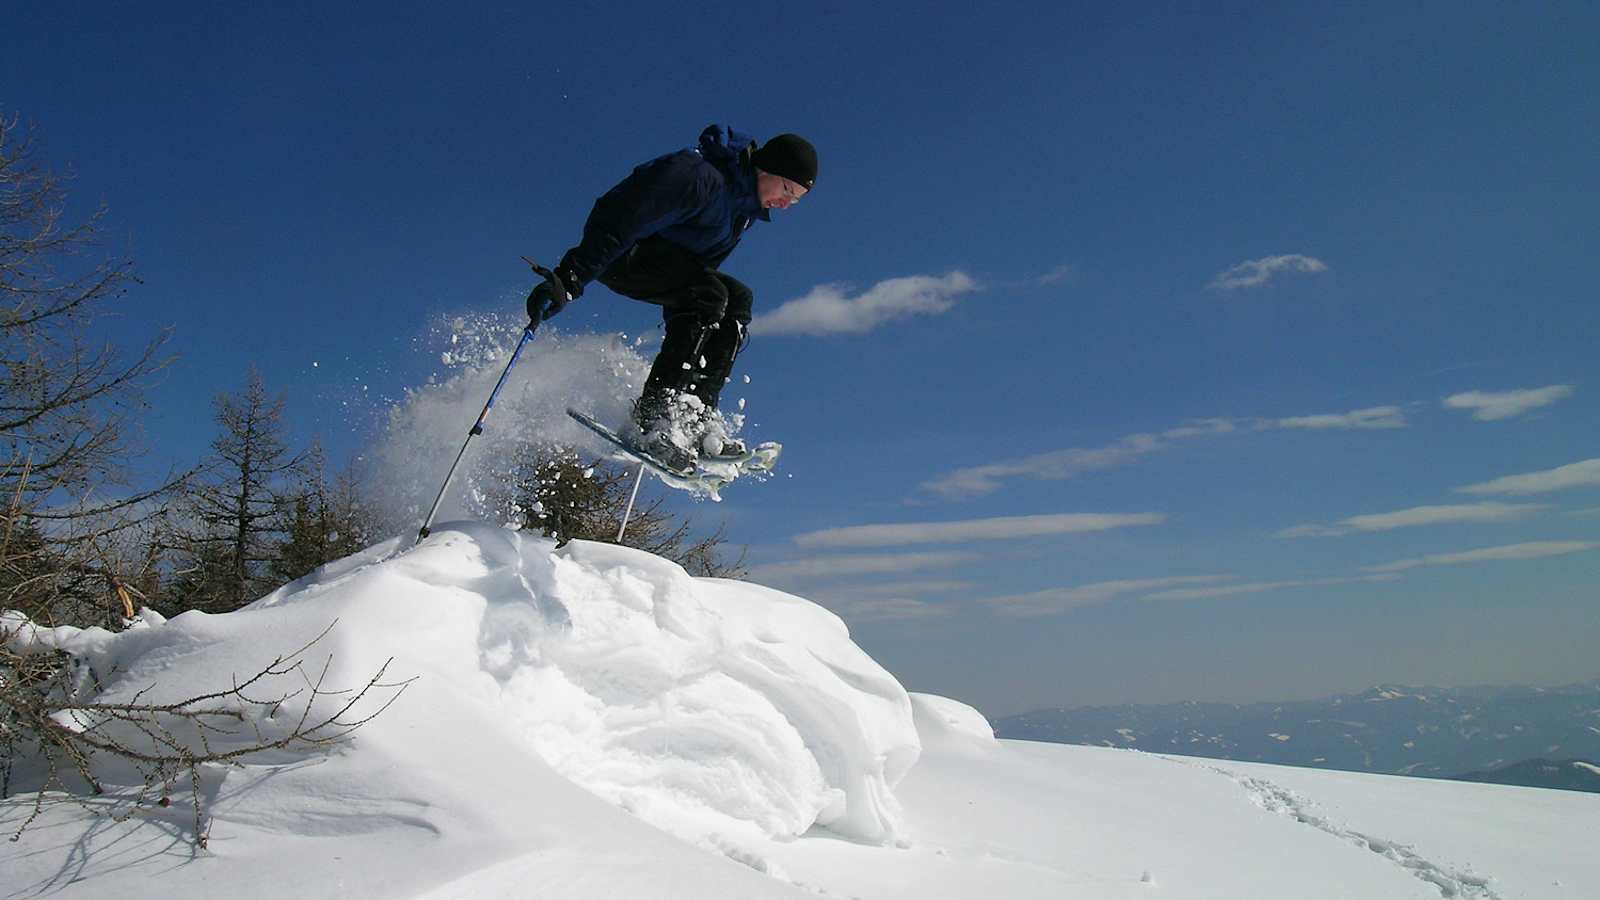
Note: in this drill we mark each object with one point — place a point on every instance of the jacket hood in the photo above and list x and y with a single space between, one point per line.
730 150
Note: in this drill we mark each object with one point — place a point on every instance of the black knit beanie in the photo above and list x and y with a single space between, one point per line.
790 156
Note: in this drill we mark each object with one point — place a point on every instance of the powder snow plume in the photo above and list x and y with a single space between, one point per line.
598 373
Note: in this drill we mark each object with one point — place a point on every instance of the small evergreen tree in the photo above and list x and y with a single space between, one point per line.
233 511
305 544
29 573
562 495
322 521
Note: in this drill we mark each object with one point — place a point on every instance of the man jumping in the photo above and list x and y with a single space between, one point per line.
660 236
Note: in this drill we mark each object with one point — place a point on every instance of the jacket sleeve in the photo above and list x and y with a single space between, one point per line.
656 195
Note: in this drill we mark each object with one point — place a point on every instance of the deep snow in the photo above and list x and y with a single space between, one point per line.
590 721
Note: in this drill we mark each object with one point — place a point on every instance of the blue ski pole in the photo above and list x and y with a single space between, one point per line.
477 427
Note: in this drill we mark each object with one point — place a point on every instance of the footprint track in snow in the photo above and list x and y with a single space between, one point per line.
1279 800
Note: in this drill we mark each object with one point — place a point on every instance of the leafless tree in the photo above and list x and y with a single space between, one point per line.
52 721
68 403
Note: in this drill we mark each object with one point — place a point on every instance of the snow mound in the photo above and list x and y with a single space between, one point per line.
546 682
701 705
950 724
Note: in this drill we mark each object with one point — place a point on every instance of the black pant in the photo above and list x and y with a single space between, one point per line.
693 297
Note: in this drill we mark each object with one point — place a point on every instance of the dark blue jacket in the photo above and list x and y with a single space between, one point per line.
700 199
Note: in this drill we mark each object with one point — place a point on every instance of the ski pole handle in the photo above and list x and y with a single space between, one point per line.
559 292
477 426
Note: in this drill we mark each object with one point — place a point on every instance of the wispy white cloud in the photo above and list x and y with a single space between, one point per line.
1373 417
890 601
1059 600
1054 276
872 610
1491 406
859 564
829 309
1202 428
1056 465
1259 587
909 588
1417 516
1532 550
1577 475
995 529
1254 273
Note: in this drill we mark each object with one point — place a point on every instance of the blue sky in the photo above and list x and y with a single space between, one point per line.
1144 323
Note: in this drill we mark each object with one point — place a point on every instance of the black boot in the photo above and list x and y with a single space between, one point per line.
721 347
673 366
658 432
671 372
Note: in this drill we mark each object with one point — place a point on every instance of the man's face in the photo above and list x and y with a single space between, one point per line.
777 192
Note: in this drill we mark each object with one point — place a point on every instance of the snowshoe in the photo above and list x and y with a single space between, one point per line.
716 444
681 469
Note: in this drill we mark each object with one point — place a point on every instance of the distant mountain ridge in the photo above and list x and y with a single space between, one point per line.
1390 729
1565 775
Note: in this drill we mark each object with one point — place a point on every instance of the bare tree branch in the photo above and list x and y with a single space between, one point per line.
47 715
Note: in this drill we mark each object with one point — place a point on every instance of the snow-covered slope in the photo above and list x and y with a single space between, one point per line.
591 722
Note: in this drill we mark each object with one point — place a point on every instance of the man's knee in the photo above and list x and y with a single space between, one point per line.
740 298
706 297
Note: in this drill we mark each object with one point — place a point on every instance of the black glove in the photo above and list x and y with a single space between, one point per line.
542 300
